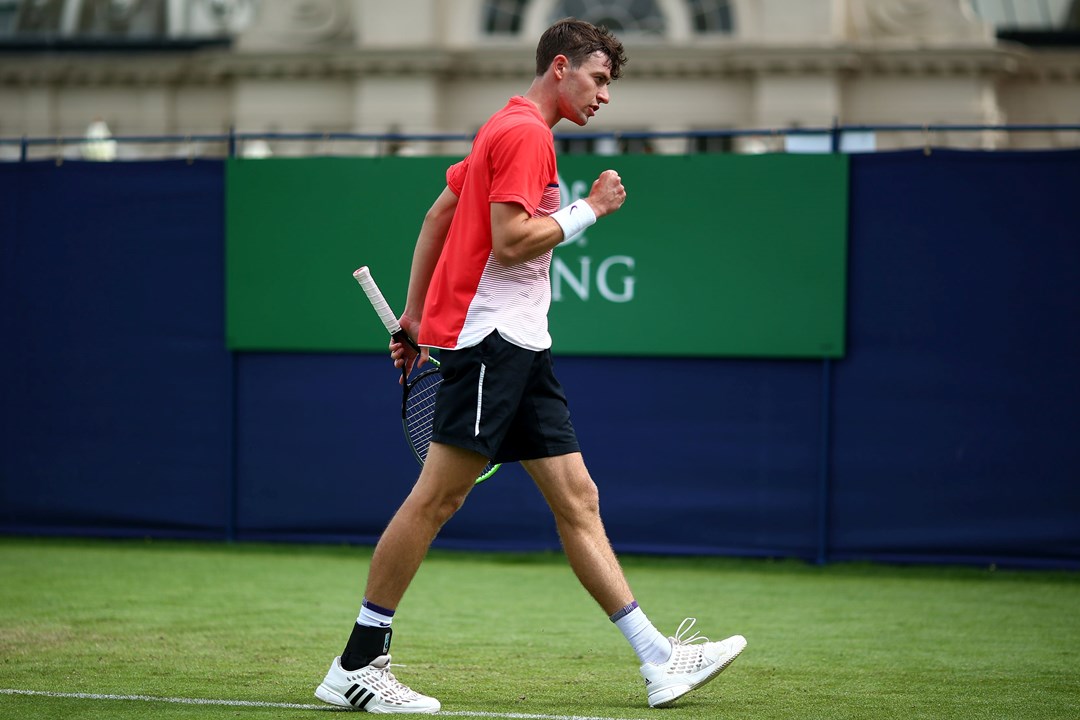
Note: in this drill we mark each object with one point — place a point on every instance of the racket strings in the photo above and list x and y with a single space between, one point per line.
420 412
420 415
418 397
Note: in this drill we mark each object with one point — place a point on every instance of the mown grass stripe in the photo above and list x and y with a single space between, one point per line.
284 706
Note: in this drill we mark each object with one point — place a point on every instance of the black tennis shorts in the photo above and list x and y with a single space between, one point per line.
502 401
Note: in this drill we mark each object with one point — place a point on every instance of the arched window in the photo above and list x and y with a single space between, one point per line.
710 16
503 17
706 17
636 16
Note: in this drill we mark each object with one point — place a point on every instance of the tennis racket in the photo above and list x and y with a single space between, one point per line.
417 395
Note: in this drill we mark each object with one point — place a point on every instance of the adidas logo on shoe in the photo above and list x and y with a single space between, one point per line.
372 688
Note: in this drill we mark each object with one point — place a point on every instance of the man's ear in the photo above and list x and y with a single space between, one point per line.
560 65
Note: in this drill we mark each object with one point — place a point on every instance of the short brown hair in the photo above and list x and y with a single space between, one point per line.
577 40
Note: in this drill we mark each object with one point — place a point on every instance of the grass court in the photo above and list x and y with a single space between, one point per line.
90 629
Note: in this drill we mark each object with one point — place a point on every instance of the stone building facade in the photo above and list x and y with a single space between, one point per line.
201 67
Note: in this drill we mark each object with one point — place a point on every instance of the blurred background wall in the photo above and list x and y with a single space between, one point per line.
190 67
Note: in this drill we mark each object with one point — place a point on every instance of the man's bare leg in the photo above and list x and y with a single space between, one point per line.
670 668
575 502
445 481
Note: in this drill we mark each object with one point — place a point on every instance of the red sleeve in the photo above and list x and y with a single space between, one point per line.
455 176
522 165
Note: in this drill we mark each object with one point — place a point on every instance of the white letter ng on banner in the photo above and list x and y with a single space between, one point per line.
579 285
602 285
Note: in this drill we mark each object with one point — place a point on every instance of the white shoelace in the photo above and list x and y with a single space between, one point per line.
686 659
684 627
393 689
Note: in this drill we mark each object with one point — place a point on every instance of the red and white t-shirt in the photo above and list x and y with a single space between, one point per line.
512 160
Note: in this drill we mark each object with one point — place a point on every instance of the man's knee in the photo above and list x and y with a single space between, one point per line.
438 507
579 503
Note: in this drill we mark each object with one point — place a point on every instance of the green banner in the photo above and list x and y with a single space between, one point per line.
712 255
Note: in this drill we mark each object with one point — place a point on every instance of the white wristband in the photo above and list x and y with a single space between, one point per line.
574 218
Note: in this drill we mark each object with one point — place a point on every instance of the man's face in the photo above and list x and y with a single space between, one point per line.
585 88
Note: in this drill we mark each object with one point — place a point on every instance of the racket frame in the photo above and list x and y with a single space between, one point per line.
389 320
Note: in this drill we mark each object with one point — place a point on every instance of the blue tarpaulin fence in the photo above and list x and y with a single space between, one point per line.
948 432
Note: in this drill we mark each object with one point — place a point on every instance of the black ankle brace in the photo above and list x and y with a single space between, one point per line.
365 644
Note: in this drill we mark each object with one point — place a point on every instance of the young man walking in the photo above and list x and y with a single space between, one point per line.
479 291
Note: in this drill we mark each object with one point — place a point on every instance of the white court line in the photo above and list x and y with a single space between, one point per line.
285 706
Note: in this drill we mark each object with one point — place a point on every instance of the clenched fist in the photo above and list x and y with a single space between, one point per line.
607 194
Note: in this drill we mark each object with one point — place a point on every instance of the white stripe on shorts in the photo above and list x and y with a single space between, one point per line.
479 399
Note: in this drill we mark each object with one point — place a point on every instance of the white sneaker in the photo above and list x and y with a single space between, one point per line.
372 688
694 661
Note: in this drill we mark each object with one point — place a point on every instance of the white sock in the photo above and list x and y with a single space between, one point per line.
648 642
371 615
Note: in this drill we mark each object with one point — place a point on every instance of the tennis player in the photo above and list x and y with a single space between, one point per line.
479 291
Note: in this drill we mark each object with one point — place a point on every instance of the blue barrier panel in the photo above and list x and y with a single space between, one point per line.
702 456
953 417
116 380
956 410
321 456
320 453
694 456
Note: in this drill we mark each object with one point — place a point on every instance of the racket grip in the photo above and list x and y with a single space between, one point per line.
375 297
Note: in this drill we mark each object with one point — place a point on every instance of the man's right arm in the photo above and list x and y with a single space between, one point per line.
429 246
